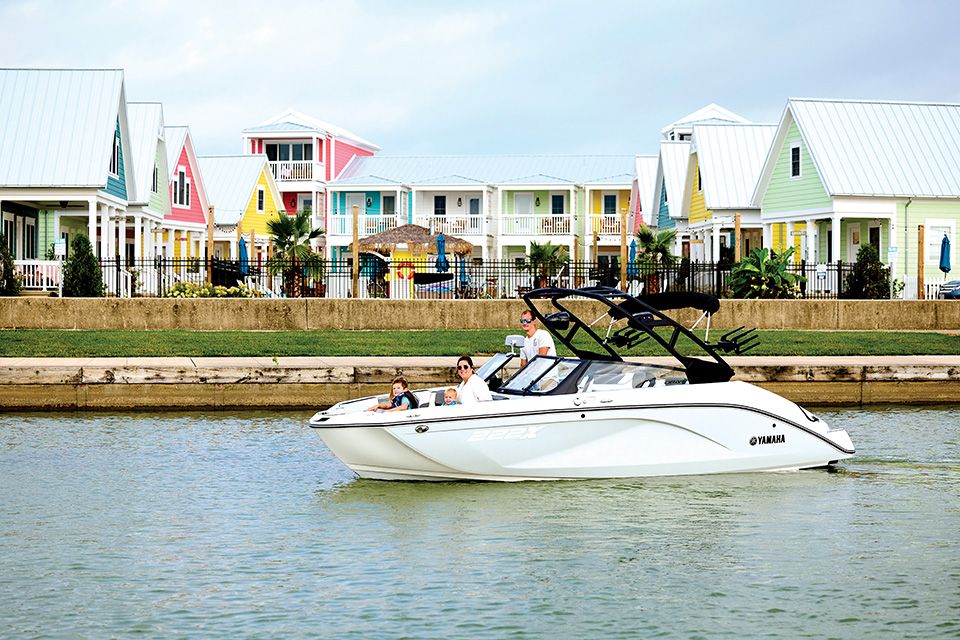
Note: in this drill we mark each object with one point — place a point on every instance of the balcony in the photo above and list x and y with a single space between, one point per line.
455 225
342 225
604 224
536 224
296 170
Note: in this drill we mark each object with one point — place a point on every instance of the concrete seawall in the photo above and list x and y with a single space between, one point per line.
318 314
229 383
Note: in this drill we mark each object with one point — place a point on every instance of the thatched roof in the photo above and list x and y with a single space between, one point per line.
416 238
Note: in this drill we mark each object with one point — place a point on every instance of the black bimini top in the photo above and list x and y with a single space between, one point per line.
642 314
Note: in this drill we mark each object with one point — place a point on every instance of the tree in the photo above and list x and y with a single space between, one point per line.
764 275
82 276
294 257
870 279
9 278
654 255
545 259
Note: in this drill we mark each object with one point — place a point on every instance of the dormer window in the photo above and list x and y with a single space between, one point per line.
795 161
181 188
155 183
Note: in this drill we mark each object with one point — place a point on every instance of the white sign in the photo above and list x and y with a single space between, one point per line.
891 253
799 232
60 247
118 218
821 272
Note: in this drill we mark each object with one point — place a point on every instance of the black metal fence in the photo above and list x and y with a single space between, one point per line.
412 279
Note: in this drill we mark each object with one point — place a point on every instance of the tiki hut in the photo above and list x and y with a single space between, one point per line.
416 238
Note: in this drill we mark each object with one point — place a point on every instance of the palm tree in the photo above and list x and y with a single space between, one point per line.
545 258
294 256
655 252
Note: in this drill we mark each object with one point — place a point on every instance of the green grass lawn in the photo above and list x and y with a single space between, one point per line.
55 343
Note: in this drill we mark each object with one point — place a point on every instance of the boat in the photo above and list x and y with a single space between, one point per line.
597 414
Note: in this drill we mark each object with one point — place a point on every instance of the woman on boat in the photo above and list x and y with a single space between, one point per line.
472 388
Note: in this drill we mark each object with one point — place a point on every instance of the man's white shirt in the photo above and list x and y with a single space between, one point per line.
531 346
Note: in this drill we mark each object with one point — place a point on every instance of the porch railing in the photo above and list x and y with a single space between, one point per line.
605 224
296 170
342 225
456 225
536 224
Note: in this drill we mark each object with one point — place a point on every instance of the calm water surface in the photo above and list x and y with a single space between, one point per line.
244 526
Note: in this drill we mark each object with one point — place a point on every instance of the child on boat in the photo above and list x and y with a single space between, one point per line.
450 397
400 398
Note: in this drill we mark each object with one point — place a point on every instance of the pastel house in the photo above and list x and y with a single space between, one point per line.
852 172
184 228
643 191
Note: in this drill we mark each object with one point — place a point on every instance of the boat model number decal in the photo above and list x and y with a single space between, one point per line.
505 433
777 439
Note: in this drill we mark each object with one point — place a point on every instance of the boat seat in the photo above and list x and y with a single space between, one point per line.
438 398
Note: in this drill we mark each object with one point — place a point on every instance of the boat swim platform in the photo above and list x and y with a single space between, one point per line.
118 384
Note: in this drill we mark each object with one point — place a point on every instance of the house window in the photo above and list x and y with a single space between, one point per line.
181 189
474 206
389 205
439 206
556 205
30 241
66 241
699 181
115 156
10 235
933 238
261 198
154 184
283 152
794 160
609 204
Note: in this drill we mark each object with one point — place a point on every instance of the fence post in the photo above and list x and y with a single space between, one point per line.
356 250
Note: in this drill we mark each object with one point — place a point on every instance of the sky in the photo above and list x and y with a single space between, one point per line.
448 77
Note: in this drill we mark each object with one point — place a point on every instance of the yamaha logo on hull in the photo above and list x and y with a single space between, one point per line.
777 439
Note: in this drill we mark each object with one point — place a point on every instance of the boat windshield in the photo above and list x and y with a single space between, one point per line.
493 366
610 376
541 374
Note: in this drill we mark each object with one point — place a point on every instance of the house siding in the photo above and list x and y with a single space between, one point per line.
254 220
698 206
785 194
117 186
920 212
664 221
195 212
344 153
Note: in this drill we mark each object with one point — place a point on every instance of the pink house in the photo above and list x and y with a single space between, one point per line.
305 154
185 228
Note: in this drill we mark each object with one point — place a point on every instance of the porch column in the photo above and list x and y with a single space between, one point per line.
104 219
835 244
92 223
767 236
137 237
715 248
171 233
812 241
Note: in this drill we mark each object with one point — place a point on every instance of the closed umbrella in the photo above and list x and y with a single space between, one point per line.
242 251
945 254
632 265
464 278
443 265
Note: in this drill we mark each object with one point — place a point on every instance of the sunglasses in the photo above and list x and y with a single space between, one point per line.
464 367
525 321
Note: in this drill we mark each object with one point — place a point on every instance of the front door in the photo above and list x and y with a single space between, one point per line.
523 212
853 241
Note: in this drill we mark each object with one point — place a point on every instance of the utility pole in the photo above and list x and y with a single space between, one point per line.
356 250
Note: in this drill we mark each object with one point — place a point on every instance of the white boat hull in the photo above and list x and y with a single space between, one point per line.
727 427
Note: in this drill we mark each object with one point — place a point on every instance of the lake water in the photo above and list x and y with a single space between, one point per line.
243 525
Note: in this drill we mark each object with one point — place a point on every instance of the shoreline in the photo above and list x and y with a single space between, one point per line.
28 384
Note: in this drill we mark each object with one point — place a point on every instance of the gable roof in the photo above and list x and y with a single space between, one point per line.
731 157
645 174
230 183
487 169
673 160
58 127
146 132
292 120
176 137
872 148
710 113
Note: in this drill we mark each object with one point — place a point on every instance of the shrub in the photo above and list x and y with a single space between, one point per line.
82 276
191 290
10 280
870 280
761 275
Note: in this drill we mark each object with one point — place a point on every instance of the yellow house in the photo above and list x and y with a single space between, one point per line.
244 196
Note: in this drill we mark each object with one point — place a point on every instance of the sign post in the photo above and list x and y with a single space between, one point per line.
59 252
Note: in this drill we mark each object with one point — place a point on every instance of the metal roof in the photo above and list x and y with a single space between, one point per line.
731 158
900 149
645 173
492 169
230 182
674 156
145 120
57 126
176 137
710 113
291 120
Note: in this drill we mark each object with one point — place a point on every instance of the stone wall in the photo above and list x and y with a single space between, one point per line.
326 314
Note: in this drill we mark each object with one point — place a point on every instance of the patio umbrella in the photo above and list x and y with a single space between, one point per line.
945 254
632 265
464 278
242 251
443 265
